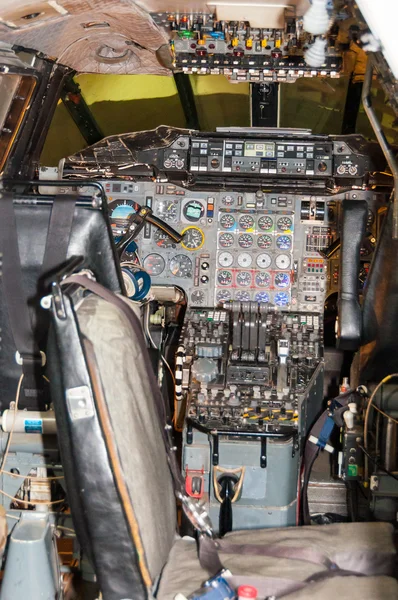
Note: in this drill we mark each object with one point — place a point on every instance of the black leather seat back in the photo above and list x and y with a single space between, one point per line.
91 237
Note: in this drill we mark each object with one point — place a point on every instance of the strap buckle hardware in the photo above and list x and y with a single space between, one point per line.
197 514
19 359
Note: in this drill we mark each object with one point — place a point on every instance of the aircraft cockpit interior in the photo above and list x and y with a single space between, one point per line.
198 364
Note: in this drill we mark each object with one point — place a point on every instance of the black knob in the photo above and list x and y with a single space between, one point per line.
205 266
204 279
322 166
215 163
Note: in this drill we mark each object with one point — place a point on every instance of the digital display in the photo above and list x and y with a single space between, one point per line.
260 149
117 187
193 211
123 211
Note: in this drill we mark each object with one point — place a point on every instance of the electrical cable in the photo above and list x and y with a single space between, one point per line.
377 464
50 478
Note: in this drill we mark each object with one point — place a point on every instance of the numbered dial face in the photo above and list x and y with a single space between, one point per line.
163 240
181 266
282 261
225 259
223 296
245 240
263 280
246 222
242 296
263 260
284 242
226 240
154 264
224 277
244 278
244 259
228 200
262 297
284 223
193 210
265 223
281 299
282 280
198 297
194 238
264 241
167 210
119 214
227 221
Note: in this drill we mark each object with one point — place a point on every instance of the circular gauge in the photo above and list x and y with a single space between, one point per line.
227 221
245 240
243 278
167 210
283 242
223 296
119 214
228 200
284 223
224 277
281 298
194 238
246 222
163 240
282 261
263 260
226 240
198 297
154 264
262 297
265 223
181 266
225 259
193 210
242 296
282 280
263 280
244 259
264 241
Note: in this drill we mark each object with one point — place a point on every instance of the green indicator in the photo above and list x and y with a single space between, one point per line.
185 34
352 471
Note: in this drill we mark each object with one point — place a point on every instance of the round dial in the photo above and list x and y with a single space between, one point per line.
284 223
246 222
244 259
181 266
167 210
163 240
227 221
263 280
225 259
263 260
198 297
223 296
245 240
264 241
265 223
154 264
228 200
284 242
281 299
224 277
262 297
119 214
243 278
282 280
193 210
242 296
226 240
282 261
194 238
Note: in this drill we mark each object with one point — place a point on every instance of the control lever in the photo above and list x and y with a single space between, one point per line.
227 485
283 353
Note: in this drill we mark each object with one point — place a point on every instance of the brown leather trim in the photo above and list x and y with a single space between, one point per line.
105 423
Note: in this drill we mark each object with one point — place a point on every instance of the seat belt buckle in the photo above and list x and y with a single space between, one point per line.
197 514
215 588
20 361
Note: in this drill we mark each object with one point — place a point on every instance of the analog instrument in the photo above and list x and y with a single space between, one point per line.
223 296
284 242
284 223
228 200
227 221
262 297
282 280
263 280
242 296
264 241
282 261
193 210
263 260
181 266
119 214
246 222
154 264
198 297
163 240
281 298
226 240
225 259
224 277
245 240
243 278
265 223
194 238
167 210
244 259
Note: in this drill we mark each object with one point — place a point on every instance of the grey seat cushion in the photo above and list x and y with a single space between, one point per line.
355 546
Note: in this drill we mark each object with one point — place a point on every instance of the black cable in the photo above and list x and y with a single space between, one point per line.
377 464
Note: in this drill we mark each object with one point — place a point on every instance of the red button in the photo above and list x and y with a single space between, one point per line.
247 591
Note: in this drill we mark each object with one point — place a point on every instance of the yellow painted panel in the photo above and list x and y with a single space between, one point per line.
100 88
